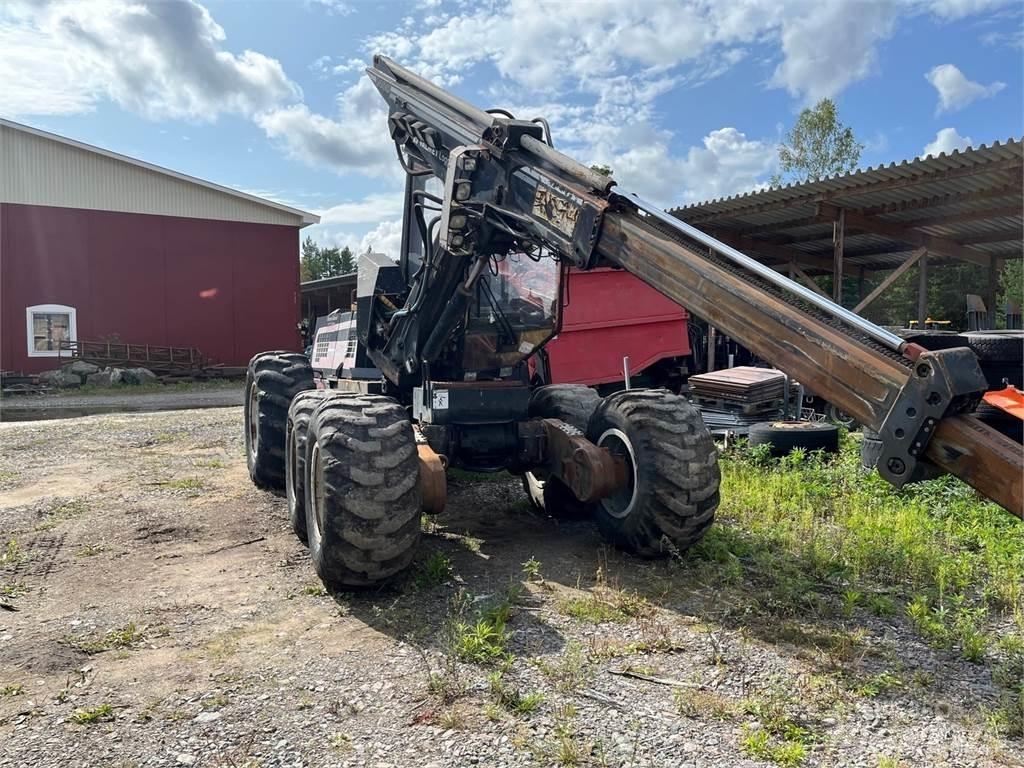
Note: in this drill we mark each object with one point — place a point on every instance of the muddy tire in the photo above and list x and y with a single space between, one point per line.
299 412
574 404
271 382
784 436
671 498
362 491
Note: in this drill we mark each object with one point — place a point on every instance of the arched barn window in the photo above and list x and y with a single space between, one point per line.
48 326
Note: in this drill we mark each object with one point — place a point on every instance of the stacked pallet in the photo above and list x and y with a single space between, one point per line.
735 398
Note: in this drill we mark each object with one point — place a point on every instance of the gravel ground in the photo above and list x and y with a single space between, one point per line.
161 613
68 404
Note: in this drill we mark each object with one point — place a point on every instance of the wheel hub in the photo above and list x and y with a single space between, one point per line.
315 493
254 420
291 475
621 503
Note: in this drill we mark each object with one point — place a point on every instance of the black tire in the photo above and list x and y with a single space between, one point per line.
1001 421
574 404
838 416
671 498
784 436
997 346
363 492
299 412
870 449
272 380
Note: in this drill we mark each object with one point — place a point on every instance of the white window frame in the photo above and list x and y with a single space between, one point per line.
46 309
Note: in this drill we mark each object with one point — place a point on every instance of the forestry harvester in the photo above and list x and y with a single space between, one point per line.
439 344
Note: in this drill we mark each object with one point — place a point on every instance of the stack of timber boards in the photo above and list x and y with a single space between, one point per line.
735 398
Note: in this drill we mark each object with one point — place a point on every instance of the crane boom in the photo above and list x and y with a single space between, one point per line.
506 188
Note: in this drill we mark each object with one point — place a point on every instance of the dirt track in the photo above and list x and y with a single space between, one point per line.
165 615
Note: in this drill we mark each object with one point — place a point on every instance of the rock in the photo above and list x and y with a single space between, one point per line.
61 378
119 376
184 758
145 376
82 368
206 717
100 379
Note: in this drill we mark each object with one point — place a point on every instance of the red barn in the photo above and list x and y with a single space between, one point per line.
94 245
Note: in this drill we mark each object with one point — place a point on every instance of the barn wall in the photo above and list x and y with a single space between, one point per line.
229 288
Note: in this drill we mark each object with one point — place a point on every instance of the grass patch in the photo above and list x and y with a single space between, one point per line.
779 737
812 536
760 745
90 550
509 697
483 637
13 589
14 689
606 604
126 637
211 464
698 704
434 571
315 590
58 513
878 685
185 484
92 715
570 670
12 554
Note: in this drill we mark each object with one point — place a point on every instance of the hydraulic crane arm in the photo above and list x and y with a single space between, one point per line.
507 189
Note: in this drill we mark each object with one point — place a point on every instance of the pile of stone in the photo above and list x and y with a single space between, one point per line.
80 372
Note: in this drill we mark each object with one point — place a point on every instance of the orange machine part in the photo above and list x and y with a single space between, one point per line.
1010 400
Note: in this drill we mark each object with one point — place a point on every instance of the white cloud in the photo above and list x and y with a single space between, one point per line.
159 59
951 10
386 238
727 164
370 210
823 52
955 90
946 141
356 141
333 7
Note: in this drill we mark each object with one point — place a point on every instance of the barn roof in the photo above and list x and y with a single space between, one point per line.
965 206
42 168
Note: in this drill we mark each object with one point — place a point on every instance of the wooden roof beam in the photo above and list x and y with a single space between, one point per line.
777 252
953 198
960 218
934 243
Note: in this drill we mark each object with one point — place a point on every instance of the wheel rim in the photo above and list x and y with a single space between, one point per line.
315 496
621 503
292 468
254 421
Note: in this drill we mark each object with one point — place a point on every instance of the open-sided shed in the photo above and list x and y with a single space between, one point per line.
965 206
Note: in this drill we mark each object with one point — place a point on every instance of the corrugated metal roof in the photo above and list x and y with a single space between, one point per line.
41 168
972 199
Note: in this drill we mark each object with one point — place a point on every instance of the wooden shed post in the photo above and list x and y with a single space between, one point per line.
991 290
922 292
838 235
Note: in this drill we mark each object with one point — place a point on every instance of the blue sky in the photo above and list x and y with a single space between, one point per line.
686 100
